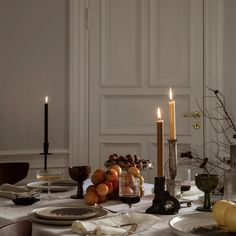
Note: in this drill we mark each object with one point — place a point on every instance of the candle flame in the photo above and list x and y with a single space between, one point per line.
170 93
46 99
158 113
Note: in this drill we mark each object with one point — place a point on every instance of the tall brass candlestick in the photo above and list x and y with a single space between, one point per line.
160 144
173 158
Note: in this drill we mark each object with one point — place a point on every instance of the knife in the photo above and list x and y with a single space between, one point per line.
131 230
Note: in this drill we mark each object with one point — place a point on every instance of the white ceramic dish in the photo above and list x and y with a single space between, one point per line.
196 224
35 218
56 186
67 213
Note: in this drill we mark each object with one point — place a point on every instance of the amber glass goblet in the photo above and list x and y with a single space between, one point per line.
206 183
79 174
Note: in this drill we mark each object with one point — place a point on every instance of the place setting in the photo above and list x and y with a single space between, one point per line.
122 224
65 215
50 183
20 195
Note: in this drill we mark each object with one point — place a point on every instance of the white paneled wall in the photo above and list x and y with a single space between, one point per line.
135 58
34 63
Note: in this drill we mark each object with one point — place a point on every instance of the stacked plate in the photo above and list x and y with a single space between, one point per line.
65 215
56 186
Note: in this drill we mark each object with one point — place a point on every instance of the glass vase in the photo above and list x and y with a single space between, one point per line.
230 176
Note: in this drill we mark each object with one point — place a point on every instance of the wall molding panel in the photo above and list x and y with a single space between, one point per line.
169 45
124 114
117 41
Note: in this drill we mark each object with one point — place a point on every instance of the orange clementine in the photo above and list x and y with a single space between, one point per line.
91 188
102 189
111 174
91 198
109 185
117 168
134 171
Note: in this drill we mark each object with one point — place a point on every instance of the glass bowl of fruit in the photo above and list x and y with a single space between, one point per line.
125 162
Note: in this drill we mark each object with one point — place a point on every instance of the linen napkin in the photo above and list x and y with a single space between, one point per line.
110 225
12 191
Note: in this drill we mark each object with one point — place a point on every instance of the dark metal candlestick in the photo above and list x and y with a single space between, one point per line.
163 203
45 153
46 143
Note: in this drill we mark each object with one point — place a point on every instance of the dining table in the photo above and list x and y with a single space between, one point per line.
9 212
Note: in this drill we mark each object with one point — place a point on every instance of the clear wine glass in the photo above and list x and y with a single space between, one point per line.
185 179
129 189
48 176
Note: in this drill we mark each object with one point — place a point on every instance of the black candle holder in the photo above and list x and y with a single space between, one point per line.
163 203
45 153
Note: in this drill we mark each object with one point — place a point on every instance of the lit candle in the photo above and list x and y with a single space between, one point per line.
46 120
160 144
45 144
172 131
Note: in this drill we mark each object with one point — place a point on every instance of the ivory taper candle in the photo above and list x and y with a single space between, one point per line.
172 129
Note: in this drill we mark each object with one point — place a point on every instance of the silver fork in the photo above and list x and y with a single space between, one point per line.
106 209
131 230
88 233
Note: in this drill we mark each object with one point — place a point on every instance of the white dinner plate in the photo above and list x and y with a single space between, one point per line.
67 212
196 224
35 218
56 186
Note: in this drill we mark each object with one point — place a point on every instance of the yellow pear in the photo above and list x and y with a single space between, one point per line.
230 218
219 209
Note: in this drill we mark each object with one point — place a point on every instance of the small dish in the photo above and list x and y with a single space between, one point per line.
25 201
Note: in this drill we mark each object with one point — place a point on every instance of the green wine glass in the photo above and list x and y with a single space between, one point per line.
206 183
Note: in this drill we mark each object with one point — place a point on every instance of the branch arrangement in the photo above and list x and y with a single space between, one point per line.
224 132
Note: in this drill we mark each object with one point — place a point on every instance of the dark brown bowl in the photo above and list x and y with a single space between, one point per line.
13 172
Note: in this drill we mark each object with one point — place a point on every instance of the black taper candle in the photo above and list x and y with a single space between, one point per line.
45 144
46 120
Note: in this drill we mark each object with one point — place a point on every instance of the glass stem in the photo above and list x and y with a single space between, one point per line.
80 193
207 202
49 189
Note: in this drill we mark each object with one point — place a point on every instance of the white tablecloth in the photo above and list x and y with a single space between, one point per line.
10 213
